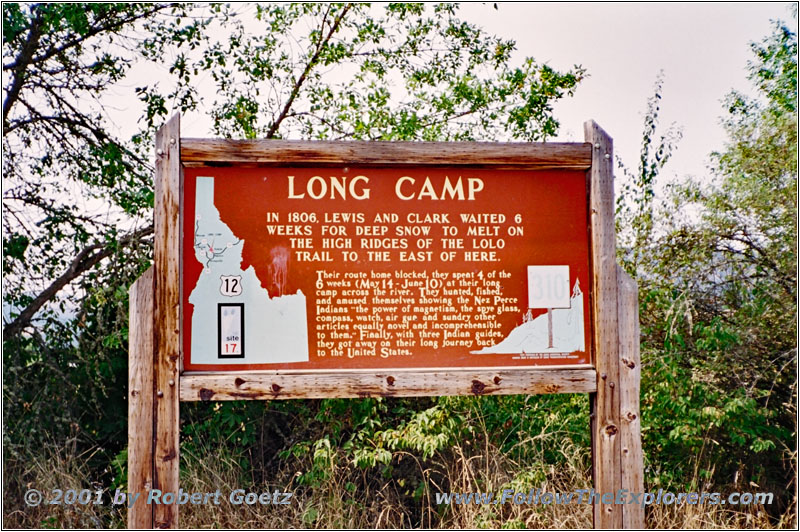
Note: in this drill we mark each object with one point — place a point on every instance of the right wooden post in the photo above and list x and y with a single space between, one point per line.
630 430
605 413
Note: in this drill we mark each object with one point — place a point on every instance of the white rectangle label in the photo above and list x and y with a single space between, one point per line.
548 287
231 330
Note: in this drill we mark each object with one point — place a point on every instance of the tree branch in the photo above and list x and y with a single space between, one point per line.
84 261
785 280
111 25
311 63
21 63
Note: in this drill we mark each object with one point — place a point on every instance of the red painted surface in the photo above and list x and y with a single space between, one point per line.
554 218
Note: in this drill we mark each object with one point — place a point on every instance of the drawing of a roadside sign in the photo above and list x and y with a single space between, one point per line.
548 287
230 285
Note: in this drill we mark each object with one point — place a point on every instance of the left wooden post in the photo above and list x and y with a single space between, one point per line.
154 349
166 320
140 398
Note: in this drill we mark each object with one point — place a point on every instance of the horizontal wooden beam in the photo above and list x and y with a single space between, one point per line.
402 383
498 155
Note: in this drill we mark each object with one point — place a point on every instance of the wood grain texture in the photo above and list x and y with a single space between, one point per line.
140 397
403 383
605 403
166 258
630 430
530 156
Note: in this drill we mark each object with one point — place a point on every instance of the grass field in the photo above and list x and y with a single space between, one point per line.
352 497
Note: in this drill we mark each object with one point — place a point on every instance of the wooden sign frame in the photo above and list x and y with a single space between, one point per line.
157 383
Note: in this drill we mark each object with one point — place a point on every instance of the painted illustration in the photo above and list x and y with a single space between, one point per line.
559 330
277 330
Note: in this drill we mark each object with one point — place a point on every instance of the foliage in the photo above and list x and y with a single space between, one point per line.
296 70
402 72
718 294
69 183
634 215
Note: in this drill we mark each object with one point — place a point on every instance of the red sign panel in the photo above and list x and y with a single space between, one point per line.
361 268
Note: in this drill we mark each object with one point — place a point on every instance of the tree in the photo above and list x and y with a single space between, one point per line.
344 71
70 184
747 237
635 210
400 72
719 301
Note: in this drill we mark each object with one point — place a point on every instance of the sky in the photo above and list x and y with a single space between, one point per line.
703 49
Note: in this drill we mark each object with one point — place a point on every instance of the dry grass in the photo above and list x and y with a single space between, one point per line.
687 516
354 498
52 468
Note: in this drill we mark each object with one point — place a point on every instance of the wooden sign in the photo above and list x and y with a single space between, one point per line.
401 267
292 269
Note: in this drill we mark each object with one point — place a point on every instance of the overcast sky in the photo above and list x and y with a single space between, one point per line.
703 49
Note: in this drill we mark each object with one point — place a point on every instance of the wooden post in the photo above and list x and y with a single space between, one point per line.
605 402
166 361
631 459
140 398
